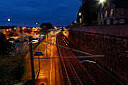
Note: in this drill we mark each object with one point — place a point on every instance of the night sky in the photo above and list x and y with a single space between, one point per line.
28 12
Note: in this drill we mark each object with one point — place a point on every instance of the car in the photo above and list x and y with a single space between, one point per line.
11 40
41 36
35 39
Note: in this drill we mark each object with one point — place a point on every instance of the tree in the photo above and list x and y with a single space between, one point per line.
45 27
90 11
5 46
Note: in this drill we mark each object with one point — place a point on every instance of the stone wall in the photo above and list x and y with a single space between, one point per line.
115 30
110 41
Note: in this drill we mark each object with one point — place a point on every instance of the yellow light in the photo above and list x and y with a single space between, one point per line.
7 30
80 14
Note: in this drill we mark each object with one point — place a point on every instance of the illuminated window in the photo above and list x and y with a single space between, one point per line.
80 20
111 13
106 13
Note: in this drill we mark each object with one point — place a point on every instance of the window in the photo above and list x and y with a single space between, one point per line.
106 13
111 13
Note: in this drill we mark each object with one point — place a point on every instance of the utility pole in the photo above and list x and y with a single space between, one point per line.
32 62
46 41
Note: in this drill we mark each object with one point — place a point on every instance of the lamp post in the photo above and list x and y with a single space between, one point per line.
32 61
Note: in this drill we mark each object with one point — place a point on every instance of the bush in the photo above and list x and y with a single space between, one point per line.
5 46
11 69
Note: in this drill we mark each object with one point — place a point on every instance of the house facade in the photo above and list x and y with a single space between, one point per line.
115 12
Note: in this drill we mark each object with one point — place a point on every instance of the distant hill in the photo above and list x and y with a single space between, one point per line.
46 25
6 27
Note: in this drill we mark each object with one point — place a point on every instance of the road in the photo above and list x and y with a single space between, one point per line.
50 69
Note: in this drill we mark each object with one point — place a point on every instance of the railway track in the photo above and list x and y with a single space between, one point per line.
82 74
70 75
73 72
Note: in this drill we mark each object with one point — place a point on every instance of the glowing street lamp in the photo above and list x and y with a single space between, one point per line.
80 14
101 1
9 20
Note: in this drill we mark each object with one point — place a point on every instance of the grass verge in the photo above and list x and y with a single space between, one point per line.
11 69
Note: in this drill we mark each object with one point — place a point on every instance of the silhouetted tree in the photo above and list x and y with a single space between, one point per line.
5 46
45 27
90 11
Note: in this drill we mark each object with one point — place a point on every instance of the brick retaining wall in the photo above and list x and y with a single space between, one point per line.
94 40
117 30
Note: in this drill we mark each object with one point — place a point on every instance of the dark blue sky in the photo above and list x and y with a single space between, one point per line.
28 12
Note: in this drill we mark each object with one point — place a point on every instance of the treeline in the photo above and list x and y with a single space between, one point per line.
11 66
6 27
5 46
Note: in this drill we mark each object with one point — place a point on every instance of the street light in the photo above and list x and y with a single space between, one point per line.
9 20
101 1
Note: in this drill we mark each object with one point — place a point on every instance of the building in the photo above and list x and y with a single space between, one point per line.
114 12
87 14
108 12
80 16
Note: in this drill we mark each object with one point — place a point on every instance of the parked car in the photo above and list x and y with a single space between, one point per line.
11 40
35 39
41 36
